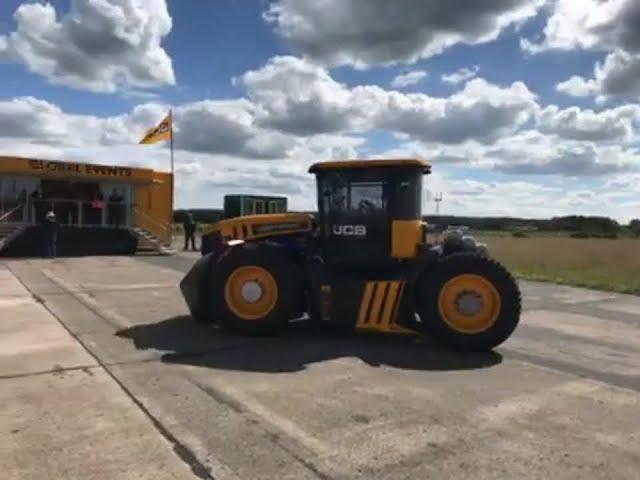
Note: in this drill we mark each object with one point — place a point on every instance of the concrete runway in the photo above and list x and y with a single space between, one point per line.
103 375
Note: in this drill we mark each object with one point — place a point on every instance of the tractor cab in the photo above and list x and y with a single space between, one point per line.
370 210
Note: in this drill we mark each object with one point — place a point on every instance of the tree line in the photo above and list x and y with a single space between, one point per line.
569 223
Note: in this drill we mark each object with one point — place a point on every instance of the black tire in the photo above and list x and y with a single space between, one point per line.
434 279
287 276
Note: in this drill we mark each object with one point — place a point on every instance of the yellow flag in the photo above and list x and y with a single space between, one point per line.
162 131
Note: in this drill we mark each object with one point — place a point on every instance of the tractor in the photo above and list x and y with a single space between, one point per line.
362 265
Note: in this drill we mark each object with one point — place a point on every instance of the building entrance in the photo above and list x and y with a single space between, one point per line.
84 203
74 203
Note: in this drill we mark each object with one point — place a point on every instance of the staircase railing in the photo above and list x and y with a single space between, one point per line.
159 229
6 216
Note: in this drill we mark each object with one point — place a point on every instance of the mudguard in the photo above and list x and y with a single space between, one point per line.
194 287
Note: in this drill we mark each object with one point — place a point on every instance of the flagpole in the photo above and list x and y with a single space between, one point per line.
171 138
172 172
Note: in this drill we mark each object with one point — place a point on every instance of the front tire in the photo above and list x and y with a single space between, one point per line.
468 302
255 290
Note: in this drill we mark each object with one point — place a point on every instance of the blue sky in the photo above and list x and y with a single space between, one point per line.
544 123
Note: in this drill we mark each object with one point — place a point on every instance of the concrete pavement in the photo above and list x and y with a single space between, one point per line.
63 415
560 399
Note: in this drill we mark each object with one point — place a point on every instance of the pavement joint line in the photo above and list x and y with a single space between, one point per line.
611 380
266 416
99 290
595 311
182 451
591 341
85 299
241 409
51 371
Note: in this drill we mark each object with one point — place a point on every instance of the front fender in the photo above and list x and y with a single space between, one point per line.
194 287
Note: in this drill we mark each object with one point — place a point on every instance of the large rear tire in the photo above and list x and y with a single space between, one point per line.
468 302
255 290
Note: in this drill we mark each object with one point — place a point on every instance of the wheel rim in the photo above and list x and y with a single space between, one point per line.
469 303
251 292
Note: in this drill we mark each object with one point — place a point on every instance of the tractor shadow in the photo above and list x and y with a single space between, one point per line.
183 341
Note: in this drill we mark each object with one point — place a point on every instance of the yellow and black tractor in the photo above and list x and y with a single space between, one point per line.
362 265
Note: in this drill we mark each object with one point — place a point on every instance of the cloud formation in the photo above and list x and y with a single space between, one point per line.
99 45
295 96
598 25
461 75
373 32
409 78
614 125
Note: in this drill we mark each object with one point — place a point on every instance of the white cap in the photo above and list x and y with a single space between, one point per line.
50 214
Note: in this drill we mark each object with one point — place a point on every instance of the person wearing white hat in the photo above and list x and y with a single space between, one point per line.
50 227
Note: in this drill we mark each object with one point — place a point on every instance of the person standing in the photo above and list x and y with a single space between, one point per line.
94 210
50 230
114 208
189 226
37 205
23 199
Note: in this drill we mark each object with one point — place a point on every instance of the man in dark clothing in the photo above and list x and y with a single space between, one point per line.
189 226
114 208
50 229
37 206
23 200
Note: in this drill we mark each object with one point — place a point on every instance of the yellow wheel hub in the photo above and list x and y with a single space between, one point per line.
251 292
469 303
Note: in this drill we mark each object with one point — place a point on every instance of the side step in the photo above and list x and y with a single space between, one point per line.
148 243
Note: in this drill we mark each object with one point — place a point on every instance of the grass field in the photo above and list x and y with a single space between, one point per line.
596 263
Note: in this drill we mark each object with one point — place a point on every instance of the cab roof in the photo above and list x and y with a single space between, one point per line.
389 162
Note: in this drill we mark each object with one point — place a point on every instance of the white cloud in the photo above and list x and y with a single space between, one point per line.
227 127
577 86
99 45
297 97
534 153
518 198
368 32
600 25
556 153
481 111
590 24
30 117
618 124
461 75
407 79
623 183
618 76
224 127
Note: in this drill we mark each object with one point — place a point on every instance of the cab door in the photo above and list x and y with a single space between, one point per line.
355 226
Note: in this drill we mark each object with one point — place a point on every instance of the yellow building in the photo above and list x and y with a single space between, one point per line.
85 197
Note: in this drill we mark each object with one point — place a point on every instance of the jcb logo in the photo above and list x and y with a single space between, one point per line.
350 230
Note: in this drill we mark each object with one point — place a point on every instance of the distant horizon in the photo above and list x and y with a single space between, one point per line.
293 210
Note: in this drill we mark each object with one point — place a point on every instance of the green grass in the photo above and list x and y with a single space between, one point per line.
602 264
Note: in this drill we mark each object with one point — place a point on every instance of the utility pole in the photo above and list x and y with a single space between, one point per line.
438 199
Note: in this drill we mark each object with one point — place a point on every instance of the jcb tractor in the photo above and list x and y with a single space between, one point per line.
363 265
